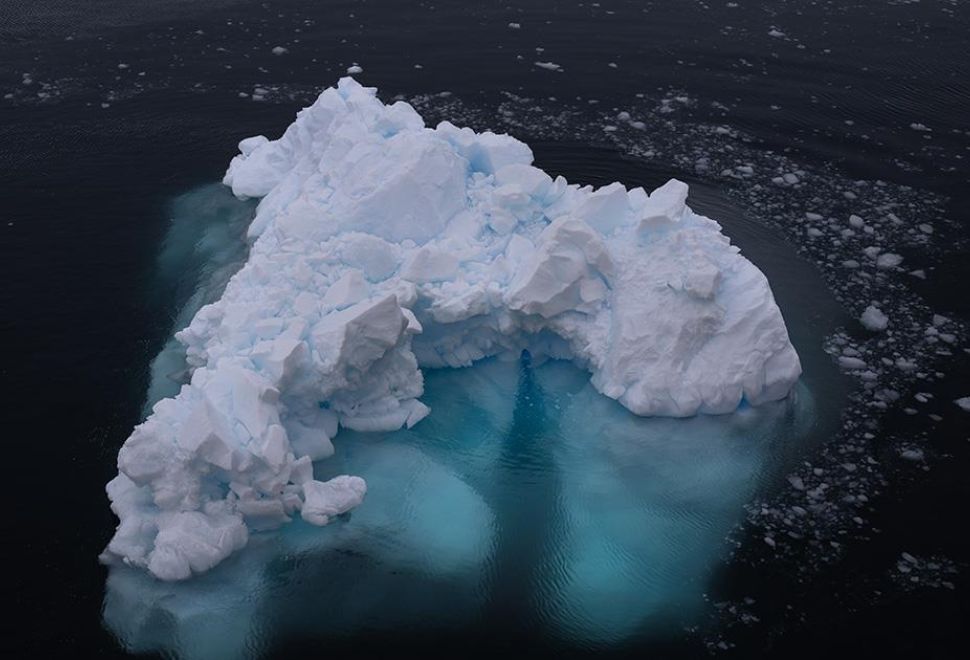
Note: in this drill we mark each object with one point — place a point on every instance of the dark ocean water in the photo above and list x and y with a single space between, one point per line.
117 117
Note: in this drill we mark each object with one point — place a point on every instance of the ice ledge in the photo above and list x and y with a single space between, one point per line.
381 246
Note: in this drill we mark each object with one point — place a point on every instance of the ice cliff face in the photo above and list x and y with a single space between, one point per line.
381 247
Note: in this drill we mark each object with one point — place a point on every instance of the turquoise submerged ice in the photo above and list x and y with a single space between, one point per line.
526 504
381 247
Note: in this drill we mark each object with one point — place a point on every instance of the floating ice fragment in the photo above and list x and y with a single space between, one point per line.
873 319
851 363
888 260
914 455
325 499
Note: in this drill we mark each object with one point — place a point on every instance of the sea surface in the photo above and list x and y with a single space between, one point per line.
527 515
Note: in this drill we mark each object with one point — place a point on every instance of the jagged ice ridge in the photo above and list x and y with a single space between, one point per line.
381 247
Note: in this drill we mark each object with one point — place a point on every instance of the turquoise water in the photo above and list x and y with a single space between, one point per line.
526 500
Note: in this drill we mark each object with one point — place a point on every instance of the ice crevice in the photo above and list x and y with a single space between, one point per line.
381 247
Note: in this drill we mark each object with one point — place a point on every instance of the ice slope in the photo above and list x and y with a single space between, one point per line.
380 247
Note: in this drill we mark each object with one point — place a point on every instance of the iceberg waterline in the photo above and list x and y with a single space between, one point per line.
381 247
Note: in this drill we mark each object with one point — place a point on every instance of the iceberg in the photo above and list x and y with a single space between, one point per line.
382 247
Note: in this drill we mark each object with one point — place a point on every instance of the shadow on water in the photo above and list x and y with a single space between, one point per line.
527 510
526 533
204 247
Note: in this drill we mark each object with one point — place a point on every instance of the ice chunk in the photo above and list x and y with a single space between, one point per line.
324 500
193 542
605 209
565 273
888 260
666 205
431 265
381 246
853 363
873 319
350 289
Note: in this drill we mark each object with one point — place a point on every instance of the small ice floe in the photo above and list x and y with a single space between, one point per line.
851 363
279 50
354 69
551 66
964 403
914 455
888 260
873 319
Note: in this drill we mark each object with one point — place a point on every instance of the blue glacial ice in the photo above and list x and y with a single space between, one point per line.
380 248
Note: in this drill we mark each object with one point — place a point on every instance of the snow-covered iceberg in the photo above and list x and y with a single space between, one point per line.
381 247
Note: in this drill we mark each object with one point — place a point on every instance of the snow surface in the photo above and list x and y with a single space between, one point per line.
380 247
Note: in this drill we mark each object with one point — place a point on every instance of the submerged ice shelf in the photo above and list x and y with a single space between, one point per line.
381 247
497 514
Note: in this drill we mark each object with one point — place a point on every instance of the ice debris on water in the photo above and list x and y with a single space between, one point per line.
382 246
551 66
873 319
934 572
